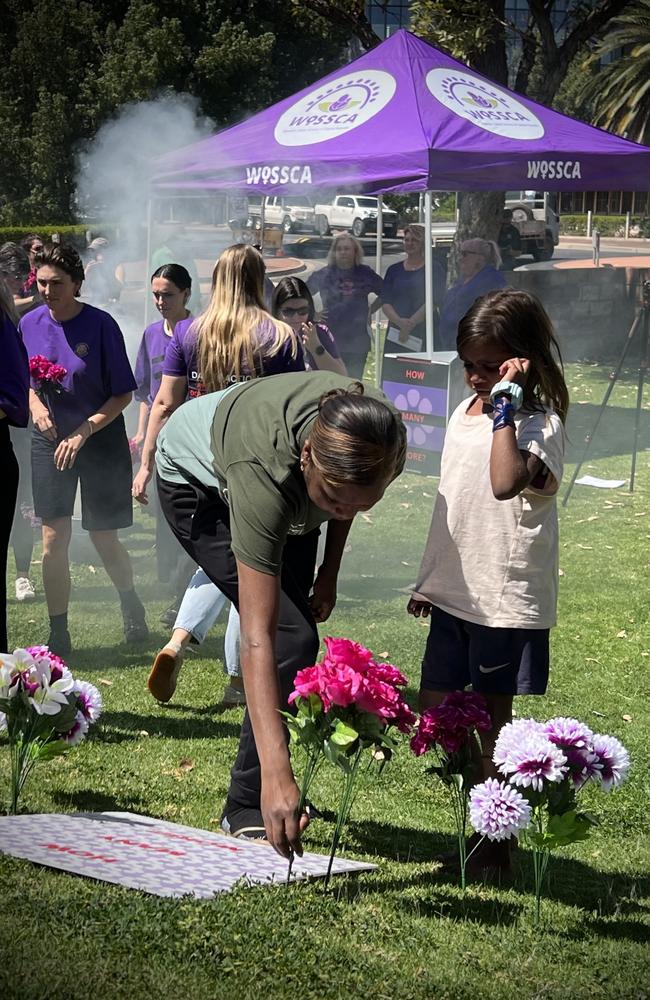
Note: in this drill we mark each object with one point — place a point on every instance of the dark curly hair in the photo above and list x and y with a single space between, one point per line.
63 256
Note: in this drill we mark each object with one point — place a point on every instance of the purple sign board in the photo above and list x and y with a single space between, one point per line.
406 117
161 858
426 393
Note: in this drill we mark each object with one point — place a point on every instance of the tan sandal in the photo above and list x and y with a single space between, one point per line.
164 673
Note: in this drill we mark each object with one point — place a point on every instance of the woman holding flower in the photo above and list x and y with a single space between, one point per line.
76 405
245 476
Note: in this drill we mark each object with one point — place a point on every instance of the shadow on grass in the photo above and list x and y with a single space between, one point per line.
398 843
615 434
90 801
121 727
424 895
617 930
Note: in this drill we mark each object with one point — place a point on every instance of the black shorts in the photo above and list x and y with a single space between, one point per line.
492 660
103 467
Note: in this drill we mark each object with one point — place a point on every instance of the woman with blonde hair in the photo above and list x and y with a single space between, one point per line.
344 285
478 269
233 340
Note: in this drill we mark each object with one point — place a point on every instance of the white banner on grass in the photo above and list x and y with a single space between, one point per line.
165 859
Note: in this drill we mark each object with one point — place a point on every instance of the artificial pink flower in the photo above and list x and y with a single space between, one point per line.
352 654
387 672
339 684
308 681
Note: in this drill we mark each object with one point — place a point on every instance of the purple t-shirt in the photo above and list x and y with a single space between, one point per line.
345 297
181 357
14 375
149 362
91 349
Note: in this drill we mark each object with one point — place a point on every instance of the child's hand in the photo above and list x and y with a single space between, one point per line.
419 609
515 370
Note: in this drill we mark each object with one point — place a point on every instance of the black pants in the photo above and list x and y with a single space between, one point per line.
22 532
201 521
8 494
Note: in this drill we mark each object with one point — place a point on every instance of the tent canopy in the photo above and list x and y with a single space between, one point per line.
406 117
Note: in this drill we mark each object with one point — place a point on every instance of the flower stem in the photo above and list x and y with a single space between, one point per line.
313 761
344 811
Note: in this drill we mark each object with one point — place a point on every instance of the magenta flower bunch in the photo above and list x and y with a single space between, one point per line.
450 731
343 706
545 765
450 724
47 375
43 710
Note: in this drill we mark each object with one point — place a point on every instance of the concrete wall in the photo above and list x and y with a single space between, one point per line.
590 309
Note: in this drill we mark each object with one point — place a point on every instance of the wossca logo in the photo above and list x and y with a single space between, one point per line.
337 108
483 104
554 170
278 173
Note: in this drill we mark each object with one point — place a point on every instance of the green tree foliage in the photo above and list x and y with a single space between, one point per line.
620 91
68 66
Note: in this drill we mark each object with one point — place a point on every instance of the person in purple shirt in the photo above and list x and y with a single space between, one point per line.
478 269
171 287
344 285
79 438
293 303
14 411
233 340
403 295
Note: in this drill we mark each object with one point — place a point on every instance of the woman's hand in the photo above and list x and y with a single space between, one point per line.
418 608
140 483
282 822
43 422
323 598
68 449
309 335
515 370
406 329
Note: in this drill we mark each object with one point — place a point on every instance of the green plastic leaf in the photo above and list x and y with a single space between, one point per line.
343 735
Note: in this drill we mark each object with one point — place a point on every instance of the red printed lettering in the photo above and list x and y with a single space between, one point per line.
412 373
416 456
79 854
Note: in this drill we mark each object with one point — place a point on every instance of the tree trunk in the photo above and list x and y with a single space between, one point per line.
480 214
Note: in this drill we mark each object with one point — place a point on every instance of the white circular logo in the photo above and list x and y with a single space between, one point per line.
483 104
337 108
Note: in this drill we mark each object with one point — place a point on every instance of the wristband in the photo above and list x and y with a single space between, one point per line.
511 389
91 428
504 414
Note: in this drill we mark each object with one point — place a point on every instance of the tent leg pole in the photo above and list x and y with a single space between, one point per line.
428 275
378 267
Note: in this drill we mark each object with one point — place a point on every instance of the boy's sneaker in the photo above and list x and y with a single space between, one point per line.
169 616
247 824
234 693
24 589
59 642
135 625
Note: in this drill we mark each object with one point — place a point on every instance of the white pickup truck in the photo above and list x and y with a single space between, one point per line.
293 213
356 213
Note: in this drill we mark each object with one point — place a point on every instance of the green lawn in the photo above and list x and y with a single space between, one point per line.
405 930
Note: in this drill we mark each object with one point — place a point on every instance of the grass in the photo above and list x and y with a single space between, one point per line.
405 930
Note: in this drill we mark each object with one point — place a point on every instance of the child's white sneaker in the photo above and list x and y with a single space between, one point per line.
24 589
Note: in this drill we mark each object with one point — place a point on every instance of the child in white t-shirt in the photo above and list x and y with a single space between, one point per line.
489 572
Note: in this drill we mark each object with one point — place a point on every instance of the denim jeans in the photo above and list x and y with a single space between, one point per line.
199 610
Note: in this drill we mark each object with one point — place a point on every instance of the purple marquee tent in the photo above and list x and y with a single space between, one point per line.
406 117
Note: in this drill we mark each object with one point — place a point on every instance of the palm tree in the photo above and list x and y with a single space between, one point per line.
620 91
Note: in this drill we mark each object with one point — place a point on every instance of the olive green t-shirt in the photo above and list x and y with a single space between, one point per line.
246 442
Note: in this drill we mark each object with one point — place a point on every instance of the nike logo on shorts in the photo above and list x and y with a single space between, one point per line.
491 670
